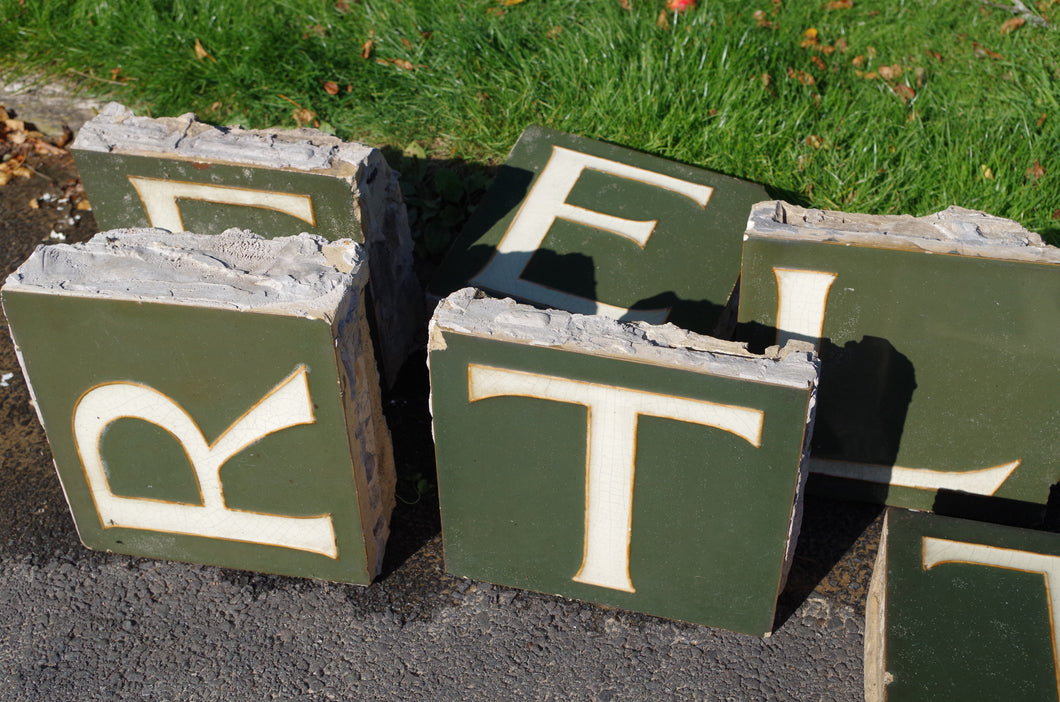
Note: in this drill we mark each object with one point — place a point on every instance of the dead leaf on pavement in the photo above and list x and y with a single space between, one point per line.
1011 25
200 53
1035 172
331 87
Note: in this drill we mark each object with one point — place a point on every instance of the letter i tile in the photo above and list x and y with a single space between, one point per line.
211 399
631 465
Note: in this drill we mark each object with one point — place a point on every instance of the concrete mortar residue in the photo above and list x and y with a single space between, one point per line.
468 311
117 130
303 275
955 230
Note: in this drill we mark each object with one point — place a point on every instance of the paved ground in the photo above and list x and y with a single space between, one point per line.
81 625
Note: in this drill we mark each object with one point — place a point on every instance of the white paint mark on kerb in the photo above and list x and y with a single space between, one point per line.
611 452
161 200
982 481
547 202
802 297
287 404
941 551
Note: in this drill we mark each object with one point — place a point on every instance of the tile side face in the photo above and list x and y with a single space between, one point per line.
932 364
632 485
592 228
969 610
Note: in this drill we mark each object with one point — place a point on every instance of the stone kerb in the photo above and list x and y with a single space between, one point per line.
939 339
628 464
183 175
223 407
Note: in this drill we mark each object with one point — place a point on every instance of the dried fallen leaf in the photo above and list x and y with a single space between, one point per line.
839 5
331 87
814 141
841 44
1041 121
342 6
400 63
662 21
819 62
115 72
200 52
34 204
366 49
554 32
512 2
985 171
981 51
890 72
934 54
904 92
766 80
83 205
1035 172
858 61
1011 25
1056 214
624 4
809 38
802 76
303 117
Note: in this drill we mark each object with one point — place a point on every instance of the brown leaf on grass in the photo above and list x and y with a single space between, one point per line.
858 61
303 117
495 11
841 44
809 38
114 73
1041 121
760 17
819 62
814 141
200 52
934 54
400 63
984 170
554 32
1056 214
624 4
904 93
802 76
512 2
331 87
981 51
890 72
366 49
839 5
1011 25
766 80
1034 172
342 7
662 21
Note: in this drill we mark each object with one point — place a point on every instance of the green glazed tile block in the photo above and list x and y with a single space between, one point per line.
183 175
961 610
589 227
211 399
631 465
940 350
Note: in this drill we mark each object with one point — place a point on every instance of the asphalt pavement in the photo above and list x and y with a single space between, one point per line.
82 625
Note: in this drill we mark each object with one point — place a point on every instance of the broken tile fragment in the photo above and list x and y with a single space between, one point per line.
211 399
962 610
940 349
627 464
180 174
589 227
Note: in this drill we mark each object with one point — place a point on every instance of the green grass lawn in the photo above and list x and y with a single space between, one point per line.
882 106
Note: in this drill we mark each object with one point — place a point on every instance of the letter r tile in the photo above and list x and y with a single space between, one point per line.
197 412
593 228
613 464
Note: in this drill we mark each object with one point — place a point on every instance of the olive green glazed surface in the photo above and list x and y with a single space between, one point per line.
960 630
216 365
710 512
928 361
689 263
116 203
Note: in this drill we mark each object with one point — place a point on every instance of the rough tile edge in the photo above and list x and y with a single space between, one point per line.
117 130
304 275
472 312
955 231
876 623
